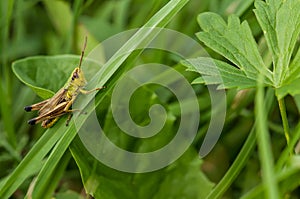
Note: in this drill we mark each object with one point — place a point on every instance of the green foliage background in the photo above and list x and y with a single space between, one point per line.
253 44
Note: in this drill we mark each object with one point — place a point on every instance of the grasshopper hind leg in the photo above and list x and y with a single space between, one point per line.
49 122
45 124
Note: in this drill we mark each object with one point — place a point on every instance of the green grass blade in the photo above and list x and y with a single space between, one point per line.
286 153
287 181
7 9
241 159
52 178
264 144
31 163
6 115
58 10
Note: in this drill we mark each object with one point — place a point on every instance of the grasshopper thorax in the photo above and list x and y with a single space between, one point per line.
77 78
76 82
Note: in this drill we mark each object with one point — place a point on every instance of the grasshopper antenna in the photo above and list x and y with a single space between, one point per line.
82 51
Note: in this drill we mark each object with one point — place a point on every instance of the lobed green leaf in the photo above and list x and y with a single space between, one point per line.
235 42
280 22
218 72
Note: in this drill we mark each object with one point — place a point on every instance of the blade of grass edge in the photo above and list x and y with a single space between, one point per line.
287 180
264 144
31 162
286 153
160 19
55 179
242 157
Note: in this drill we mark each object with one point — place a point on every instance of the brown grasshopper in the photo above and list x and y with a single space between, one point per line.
50 110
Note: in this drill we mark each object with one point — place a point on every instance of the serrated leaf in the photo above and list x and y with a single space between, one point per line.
291 88
218 72
198 80
280 21
294 69
235 42
31 71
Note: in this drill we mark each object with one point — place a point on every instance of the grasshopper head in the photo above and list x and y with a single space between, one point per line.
78 78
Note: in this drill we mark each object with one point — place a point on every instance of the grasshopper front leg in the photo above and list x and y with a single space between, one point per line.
90 91
66 109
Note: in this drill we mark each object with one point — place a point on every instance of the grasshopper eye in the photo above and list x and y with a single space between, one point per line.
75 75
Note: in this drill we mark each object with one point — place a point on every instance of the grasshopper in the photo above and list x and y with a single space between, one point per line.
50 110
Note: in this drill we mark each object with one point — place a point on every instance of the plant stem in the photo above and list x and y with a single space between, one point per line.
284 120
243 157
264 144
